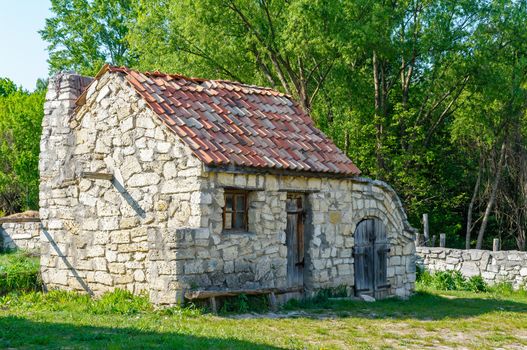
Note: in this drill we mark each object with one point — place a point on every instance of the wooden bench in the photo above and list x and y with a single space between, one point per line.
213 294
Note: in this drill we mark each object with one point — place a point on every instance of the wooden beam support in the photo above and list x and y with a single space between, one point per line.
17 220
96 176
297 190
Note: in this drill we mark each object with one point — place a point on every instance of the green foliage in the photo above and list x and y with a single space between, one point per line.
19 272
7 87
84 34
451 280
418 94
120 302
20 128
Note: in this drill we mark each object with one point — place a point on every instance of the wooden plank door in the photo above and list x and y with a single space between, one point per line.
380 256
295 240
363 258
371 258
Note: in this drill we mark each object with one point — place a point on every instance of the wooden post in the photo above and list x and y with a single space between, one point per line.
417 239
426 231
495 244
272 302
442 240
433 242
213 305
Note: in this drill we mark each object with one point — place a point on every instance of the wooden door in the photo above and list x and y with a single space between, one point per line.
363 258
370 258
295 240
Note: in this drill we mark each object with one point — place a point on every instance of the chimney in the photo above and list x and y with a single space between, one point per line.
57 139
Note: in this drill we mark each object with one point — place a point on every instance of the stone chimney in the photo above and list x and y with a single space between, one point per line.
57 139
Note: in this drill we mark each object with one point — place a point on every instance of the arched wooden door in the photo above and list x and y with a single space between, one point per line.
370 255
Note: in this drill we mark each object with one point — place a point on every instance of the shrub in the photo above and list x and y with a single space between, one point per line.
451 280
477 284
19 272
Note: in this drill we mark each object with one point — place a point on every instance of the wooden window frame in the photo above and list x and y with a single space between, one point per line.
235 194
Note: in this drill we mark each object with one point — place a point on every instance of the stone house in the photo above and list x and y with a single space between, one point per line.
171 185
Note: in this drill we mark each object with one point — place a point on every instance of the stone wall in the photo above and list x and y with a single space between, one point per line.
500 266
157 226
257 258
102 234
20 235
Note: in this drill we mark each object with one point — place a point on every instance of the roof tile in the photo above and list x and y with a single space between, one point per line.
229 123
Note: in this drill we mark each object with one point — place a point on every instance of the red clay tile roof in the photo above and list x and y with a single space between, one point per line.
232 124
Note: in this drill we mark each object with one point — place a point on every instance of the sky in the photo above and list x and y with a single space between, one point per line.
23 54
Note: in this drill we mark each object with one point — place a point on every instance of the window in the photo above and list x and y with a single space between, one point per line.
235 211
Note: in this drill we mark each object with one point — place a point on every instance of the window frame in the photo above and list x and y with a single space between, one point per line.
236 193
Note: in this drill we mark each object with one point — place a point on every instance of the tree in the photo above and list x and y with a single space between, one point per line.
20 127
7 87
84 34
495 108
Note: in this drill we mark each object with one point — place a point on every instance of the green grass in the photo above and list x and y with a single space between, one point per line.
19 271
121 321
466 313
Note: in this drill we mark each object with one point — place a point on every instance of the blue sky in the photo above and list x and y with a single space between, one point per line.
22 53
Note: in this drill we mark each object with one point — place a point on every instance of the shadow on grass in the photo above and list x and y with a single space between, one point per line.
20 333
421 306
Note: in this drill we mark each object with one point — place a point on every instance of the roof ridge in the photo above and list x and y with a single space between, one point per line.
157 73
231 124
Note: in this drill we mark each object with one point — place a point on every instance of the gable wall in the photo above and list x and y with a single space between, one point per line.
103 235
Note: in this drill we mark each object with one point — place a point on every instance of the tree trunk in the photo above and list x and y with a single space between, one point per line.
377 82
492 198
471 205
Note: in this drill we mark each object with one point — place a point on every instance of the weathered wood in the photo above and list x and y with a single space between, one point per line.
442 240
363 257
371 258
297 190
380 262
18 220
272 301
433 241
96 176
295 240
426 231
495 244
419 240
213 305
205 294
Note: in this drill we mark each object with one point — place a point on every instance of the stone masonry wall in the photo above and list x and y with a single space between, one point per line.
500 266
258 258
157 226
111 234
20 235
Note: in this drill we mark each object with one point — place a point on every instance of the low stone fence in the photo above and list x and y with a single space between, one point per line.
20 232
493 266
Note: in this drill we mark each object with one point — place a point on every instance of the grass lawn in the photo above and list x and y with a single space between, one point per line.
428 320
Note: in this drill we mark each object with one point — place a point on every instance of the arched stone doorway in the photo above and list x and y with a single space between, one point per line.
371 258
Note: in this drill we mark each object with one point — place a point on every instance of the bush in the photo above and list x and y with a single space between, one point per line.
477 284
19 272
450 280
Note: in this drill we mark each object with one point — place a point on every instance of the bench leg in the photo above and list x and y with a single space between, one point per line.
272 302
213 305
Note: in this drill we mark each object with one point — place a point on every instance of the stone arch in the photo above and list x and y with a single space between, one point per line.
359 215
